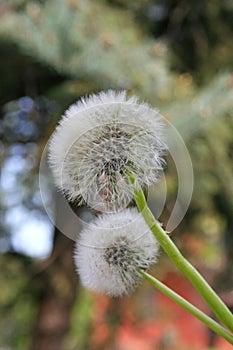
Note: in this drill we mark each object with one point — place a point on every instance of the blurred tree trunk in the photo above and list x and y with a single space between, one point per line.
58 287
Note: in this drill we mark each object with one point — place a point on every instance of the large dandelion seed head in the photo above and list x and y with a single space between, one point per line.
98 142
109 252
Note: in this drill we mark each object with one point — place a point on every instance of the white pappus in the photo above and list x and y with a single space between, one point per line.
99 141
109 252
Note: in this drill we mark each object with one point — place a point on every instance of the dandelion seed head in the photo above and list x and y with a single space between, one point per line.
109 252
98 142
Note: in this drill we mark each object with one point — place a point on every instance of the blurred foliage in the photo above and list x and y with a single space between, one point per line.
81 322
17 301
198 32
175 54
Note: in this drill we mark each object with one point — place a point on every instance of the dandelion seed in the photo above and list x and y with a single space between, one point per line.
109 252
98 142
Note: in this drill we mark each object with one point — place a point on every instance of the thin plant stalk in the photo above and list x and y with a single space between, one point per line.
212 299
208 321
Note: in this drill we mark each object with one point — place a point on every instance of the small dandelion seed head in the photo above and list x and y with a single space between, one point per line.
109 252
98 142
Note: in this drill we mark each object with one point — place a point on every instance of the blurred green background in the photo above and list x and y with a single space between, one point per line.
176 55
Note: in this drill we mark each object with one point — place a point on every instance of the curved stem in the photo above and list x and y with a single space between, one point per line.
209 322
212 299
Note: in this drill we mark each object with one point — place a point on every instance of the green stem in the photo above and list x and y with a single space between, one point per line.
212 299
217 328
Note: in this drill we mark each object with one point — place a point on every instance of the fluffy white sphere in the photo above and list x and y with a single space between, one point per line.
98 142
109 252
